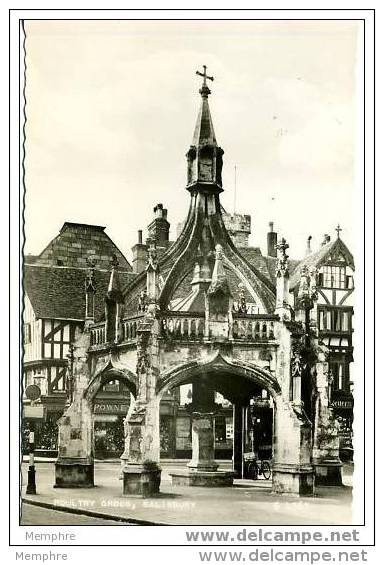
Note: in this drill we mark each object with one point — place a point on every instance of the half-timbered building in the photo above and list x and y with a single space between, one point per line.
334 267
55 312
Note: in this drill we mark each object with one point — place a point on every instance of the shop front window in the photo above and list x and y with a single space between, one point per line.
220 429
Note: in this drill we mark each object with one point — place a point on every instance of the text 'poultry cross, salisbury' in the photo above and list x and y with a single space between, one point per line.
204 75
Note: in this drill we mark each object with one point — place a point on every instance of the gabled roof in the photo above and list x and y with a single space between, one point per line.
328 253
58 292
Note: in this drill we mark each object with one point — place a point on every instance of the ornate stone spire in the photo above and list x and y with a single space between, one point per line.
204 131
204 156
89 282
219 277
282 259
90 290
282 281
307 293
114 290
152 258
113 302
219 292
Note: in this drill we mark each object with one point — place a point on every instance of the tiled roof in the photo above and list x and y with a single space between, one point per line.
78 242
256 259
58 292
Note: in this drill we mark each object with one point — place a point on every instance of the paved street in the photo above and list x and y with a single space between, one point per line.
247 502
36 516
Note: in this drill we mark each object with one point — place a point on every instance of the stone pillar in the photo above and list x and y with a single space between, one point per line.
141 473
326 460
292 470
203 442
238 441
202 470
74 466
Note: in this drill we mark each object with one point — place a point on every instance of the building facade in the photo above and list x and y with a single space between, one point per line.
334 267
203 313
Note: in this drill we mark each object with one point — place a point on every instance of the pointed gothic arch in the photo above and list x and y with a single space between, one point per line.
219 364
111 372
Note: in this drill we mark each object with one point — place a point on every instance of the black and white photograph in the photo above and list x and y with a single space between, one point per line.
192 227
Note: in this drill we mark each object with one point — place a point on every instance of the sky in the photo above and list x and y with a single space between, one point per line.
111 108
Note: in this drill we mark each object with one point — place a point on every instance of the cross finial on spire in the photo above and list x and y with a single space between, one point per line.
338 230
204 90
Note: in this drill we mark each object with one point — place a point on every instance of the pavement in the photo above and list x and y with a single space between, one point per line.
247 502
38 516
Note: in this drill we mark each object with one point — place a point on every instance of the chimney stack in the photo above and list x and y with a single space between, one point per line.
271 241
158 229
327 239
308 250
139 254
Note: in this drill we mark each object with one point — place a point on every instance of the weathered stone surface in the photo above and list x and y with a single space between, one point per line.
72 473
292 480
203 442
141 480
203 479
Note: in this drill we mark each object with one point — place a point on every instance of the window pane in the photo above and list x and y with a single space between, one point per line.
321 320
66 333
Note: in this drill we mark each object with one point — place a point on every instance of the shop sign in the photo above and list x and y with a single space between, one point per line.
229 430
34 412
110 408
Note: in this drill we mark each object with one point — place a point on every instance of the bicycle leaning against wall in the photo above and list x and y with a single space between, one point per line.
254 468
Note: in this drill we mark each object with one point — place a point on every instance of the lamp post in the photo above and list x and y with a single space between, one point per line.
32 392
31 486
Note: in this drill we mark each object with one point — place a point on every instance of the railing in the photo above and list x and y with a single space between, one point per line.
129 328
183 325
191 326
253 327
98 334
